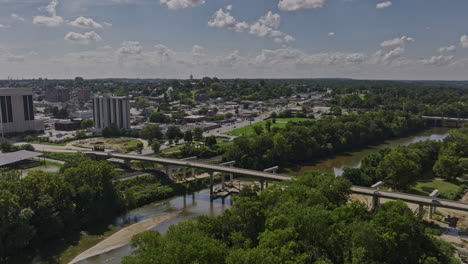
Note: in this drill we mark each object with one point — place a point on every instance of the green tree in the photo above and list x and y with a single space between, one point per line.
95 196
27 147
258 129
151 132
158 117
15 231
210 141
111 130
188 136
173 132
155 146
6 146
87 123
268 125
198 134
140 146
448 167
51 200
397 171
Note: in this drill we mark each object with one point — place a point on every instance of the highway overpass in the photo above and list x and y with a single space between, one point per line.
265 176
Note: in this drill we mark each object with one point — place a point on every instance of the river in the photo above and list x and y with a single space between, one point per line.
337 164
193 205
188 206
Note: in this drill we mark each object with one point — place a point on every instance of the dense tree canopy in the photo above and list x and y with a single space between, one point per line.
308 140
308 222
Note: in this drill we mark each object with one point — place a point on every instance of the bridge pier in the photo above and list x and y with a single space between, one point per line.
222 180
262 185
432 208
272 170
167 168
375 197
231 175
421 211
211 185
375 202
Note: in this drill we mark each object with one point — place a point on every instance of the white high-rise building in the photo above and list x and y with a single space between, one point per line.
17 111
109 109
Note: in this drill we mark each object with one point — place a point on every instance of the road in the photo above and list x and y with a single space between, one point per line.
229 127
193 164
411 198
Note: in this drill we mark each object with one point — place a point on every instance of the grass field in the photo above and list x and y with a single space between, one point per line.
280 122
49 143
124 145
218 139
448 190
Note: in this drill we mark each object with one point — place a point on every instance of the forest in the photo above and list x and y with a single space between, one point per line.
311 221
307 141
401 167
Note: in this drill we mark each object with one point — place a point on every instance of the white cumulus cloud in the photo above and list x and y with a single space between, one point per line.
397 41
291 5
383 5
464 41
52 20
86 38
84 22
130 48
16 17
438 60
450 48
222 19
331 34
177 4
265 26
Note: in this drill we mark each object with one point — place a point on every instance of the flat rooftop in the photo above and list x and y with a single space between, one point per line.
13 157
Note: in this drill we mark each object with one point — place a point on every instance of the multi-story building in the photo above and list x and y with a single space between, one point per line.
57 94
83 94
109 109
17 111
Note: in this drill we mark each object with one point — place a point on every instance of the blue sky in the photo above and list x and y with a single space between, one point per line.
365 39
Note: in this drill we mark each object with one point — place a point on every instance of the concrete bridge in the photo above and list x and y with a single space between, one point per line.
457 121
268 175
211 168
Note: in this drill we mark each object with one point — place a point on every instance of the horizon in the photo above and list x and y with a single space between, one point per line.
295 39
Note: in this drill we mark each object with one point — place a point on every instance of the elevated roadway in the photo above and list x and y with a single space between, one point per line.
375 193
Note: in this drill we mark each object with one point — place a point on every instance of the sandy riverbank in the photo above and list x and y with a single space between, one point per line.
122 237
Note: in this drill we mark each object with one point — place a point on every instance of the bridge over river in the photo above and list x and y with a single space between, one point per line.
431 201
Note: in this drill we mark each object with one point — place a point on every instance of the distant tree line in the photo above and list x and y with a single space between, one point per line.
307 141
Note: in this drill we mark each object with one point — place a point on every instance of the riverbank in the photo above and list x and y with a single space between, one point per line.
353 159
122 237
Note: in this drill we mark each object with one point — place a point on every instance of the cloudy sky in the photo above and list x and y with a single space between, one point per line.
365 39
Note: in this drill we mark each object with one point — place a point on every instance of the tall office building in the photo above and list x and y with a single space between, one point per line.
17 111
109 109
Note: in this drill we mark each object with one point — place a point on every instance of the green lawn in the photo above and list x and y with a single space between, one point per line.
218 139
173 149
448 190
280 123
49 143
